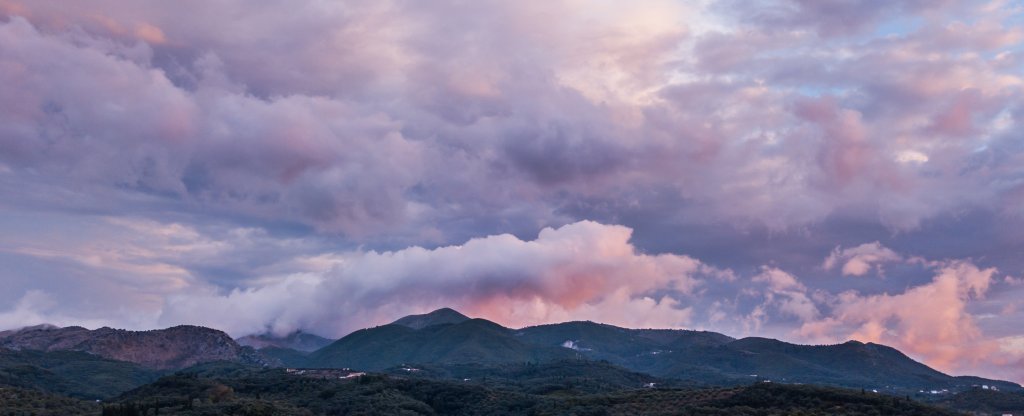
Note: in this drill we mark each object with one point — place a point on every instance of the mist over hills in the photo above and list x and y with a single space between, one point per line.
298 340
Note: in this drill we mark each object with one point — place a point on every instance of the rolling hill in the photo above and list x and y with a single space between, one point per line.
615 344
697 356
851 364
432 360
475 341
438 317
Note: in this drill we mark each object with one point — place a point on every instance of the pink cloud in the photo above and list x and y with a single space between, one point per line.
930 322
579 271
570 102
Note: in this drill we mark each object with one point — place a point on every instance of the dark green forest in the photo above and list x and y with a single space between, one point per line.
239 391
576 388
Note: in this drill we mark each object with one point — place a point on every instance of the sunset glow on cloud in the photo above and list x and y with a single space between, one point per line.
815 171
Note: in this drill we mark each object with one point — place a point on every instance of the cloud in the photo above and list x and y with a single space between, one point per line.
830 18
290 157
426 122
786 294
858 261
930 321
155 151
37 307
583 270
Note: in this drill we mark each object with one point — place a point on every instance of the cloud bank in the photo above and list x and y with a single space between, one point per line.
580 271
583 270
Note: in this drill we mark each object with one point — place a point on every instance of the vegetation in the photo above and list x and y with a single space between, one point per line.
438 317
445 364
473 341
264 392
71 373
18 401
568 377
695 356
557 388
983 400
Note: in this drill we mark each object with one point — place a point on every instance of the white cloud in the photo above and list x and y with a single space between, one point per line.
583 270
786 294
860 260
929 321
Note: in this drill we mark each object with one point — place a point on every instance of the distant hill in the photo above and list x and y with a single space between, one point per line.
698 356
588 356
851 364
171 348
286 356
445 363
615 344
438 317
299 341
475 341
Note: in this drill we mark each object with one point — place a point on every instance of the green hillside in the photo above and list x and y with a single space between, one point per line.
438 317
76 374
619 345
852 364
474 341
695 356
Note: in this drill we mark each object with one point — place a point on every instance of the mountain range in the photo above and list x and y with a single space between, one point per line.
164 349
576 357
446 337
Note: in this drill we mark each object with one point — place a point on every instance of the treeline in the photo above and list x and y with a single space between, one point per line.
16 401
266 392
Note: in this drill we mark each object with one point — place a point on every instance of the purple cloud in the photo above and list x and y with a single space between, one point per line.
234 154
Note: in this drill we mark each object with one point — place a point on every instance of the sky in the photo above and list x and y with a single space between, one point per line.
813 171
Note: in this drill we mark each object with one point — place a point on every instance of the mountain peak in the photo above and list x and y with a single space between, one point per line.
438 317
